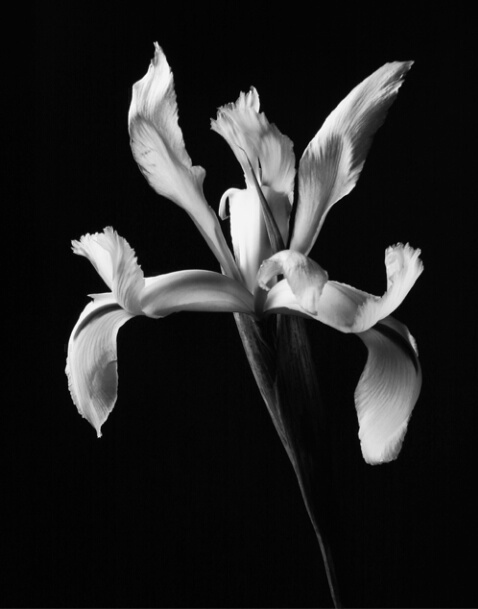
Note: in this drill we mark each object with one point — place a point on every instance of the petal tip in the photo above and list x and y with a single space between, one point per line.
387 454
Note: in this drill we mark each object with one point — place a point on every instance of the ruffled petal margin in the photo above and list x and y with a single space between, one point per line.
346 308
115 261
262 150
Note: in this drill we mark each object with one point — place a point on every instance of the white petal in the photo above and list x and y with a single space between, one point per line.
332 162
115 261
387 390
99 257
403 266
304 276
194 290
253 139
248 232
348 309
91 363
165 172
158 147
156 138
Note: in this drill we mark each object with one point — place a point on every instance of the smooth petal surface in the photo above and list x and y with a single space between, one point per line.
115 261
253 139
248 231
194 291
91 363
158 147
350 310
387 390
332 162
304 276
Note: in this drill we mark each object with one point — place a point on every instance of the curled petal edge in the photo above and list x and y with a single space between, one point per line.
115 261
305 277
348 309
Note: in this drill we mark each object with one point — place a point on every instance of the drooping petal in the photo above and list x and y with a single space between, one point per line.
332 162
194 291
91 363
158 147
270 153
304 276
115 261
248 231
348 309
387 390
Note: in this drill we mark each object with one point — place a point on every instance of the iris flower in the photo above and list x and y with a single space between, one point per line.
269 272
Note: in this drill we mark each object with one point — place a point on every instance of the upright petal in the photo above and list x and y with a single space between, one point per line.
270 153
115 261
157 140
332 162
194 291
387 390
346 308
91 363
248 231
158 148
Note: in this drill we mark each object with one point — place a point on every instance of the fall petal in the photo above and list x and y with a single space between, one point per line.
348 309
403 266
194 291
91 362
387 390
115 261
332 162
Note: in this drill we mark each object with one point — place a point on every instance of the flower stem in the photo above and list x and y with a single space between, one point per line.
280 358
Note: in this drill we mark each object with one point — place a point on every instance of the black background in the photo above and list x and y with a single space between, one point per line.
189 499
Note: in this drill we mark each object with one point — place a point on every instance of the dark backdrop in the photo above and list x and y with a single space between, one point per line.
189 500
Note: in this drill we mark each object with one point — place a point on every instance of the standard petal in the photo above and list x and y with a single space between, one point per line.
387 390
156 138
348 309
158 147
91 363
304 276
194 291
332 162
115 261
270 153
248 231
